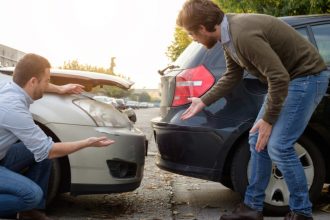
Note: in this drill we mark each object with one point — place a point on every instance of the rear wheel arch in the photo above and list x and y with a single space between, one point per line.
229 159
321 137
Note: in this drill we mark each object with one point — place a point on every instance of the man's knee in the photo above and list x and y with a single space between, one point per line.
32 197
253 137
279 152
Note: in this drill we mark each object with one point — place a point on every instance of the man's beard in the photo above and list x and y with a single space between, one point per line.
37 95
210 43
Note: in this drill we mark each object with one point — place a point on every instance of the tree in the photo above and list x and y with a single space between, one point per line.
276 7
181 41
75 65
270 7
234 6
140 97
144 97
112 91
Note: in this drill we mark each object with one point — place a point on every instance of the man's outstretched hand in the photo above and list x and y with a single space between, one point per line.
71 88
196 106
99 141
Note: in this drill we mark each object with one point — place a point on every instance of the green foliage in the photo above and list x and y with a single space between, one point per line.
144 97
271 7
234 6
181 41
155 99
140 97
75 65
112 91
276 7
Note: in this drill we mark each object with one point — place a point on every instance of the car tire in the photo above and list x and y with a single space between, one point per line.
276 202
54 181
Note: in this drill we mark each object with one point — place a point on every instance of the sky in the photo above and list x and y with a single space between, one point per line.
136 32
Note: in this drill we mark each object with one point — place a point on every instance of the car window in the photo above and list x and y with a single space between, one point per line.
303 32
191 56
322 38
197 54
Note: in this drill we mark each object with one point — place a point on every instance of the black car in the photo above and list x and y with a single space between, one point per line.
213 145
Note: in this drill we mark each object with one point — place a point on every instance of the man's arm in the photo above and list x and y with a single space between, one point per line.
64 148
20 123
65 89
225 84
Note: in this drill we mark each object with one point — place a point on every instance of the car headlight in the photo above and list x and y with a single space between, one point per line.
104 115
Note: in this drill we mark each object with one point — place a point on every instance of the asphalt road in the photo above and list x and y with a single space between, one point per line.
162 195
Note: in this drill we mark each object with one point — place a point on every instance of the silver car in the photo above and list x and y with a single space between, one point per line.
117 168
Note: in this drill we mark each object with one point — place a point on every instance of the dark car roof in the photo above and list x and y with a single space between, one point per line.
305 19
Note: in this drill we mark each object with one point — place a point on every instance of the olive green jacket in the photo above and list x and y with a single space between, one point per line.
272 51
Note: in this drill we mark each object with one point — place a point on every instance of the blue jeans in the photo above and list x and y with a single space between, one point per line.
20 192
304 95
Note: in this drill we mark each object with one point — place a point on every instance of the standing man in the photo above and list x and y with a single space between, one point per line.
295 73
26 193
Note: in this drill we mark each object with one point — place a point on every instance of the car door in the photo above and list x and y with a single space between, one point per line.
319 35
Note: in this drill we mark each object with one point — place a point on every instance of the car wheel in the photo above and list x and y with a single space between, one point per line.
54 181
277 193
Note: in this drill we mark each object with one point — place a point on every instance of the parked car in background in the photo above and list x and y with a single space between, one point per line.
106 100
118 168
132 104
143 105
151 105
213 145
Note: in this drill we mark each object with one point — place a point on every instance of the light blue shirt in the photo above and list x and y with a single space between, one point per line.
16 123
226 40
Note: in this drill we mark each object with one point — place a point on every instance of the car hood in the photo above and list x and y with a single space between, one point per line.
85 78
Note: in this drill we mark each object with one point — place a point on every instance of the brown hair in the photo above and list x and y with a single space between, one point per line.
31 65
199 12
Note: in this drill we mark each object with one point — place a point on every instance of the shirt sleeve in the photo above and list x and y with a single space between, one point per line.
226 83
21 124
258 51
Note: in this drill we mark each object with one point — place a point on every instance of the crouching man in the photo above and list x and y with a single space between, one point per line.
25 194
